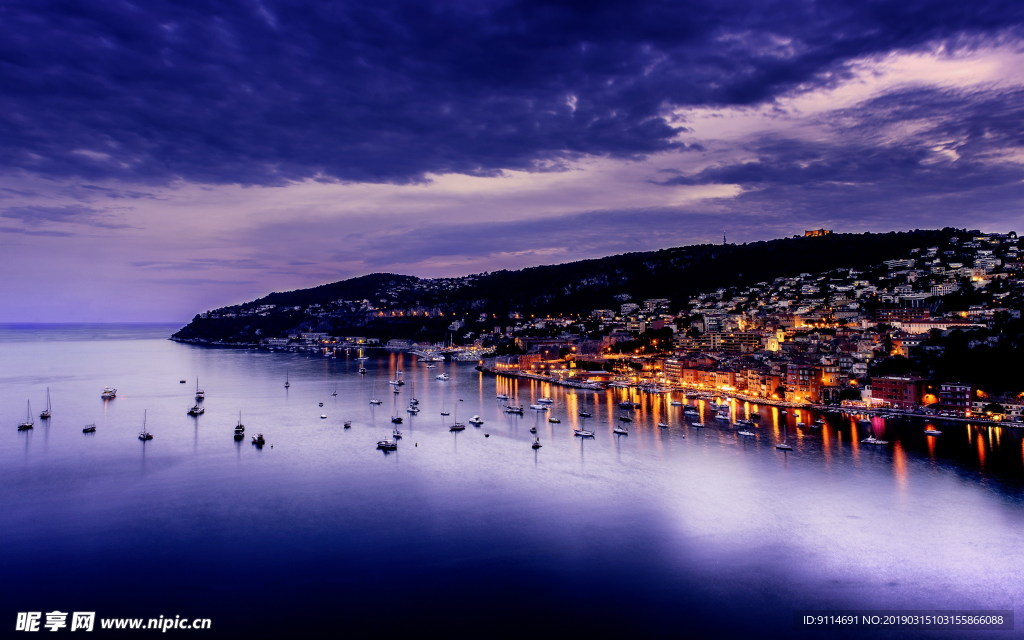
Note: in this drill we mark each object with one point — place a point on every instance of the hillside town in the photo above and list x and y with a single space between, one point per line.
860 338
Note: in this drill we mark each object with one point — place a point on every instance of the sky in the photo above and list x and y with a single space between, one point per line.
160 158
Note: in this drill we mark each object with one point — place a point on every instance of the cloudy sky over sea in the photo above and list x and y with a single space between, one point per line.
159 158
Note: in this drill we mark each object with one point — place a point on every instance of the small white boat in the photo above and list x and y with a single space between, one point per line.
259 440
46 413
536 444
28 424
932 432
200 394
873 440
145 434
699 425
554 421
800 424
108 392
676 403
583 433
539 407
620 430
545 401
476 420
396 434
413 409
376 401
515 410
585 414
782 446
446 413
196 410
443 376
387 445
323 416
663 425
501 396
747 434
458 426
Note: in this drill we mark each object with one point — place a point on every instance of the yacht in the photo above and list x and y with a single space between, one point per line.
89 428
583 433
676 403
539 407
585 414
545 401
28 424
196 410
108 392
501 396
932 432
699 425
397 382
413 409
533 429
46 413
443 376
625 419
536 444
663 425
457 426
396 434
387 445
554 420
476 420
376 401
200 394
747 434
396 419
516 410
620 431
873 440
783 446
259 440
323 416
145 434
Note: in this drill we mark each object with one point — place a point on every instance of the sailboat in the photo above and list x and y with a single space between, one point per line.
145 435
537 444
286 382
373 398
784 445
200 394
457 426
45 413
335 391
28 424
620 430
239 428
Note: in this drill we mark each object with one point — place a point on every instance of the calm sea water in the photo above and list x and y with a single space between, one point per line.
677 532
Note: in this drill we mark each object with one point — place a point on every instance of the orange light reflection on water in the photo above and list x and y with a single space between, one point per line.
899 465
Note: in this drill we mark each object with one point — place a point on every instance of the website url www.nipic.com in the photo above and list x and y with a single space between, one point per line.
87 621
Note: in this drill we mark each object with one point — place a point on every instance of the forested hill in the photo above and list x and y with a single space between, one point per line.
355 305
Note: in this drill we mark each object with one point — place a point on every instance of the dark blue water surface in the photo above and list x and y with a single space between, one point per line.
677 532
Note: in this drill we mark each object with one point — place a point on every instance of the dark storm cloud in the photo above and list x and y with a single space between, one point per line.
949 144
242 91
62 214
